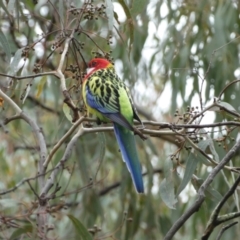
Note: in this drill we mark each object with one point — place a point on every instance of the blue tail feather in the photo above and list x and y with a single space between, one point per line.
127 144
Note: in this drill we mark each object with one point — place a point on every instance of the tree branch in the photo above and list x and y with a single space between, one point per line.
214 220
201 193
50 181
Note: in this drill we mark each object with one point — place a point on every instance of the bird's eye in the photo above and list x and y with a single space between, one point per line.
94 64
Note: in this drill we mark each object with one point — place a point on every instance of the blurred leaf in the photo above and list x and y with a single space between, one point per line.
116 17
1 101
137 7
17 233
164 223
11 6
26 93
80 229
4 7
210 192
40 86
129 23
67 112
61 10
8 203
110 14
213 150
14 66
5 46
208 143
166 190
191 166
101 151
224 105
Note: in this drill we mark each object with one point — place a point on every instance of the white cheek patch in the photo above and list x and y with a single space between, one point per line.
89 70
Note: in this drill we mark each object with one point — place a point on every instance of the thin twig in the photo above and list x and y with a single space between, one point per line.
214 221
28 76
224 228
51 180
19 184
201 193
62 140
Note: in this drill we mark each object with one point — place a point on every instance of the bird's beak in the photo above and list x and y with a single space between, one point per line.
89 70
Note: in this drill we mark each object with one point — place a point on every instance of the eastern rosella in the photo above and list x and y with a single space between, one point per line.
107 97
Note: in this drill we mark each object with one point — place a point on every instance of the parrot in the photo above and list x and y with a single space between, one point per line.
106 96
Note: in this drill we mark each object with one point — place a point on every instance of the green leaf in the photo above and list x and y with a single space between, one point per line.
110 14
166 190
40 86
17 233
164 223
166 187
208 143
14 66
26 93
191 166
138 6
130 24
2 5
67 112
210 192
5 46
11 6
61 10
226 108
81 231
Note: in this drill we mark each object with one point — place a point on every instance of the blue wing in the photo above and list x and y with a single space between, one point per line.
108 106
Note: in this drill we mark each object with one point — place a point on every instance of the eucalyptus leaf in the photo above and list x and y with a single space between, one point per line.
110 14
11 6
5 46
14 66
20 231
191 166
81 231
67 112
166 190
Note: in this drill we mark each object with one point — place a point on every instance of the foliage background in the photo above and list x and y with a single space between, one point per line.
173 55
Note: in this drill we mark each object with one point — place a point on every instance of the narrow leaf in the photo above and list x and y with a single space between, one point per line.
130 24
41 86
14 66
67 112
138 6
226 108
210 192
110 14
20 231
166 187
11 6
81 231
191 166
213 150
5 46
166 190
27 91
208 143
4 7
61 10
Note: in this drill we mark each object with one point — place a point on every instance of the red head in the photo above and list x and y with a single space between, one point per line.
96 64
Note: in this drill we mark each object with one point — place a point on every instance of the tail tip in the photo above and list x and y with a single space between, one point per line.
140 189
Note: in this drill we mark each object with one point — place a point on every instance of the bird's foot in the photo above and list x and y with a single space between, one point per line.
139 133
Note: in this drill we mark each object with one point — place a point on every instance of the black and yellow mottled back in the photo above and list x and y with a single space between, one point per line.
108 98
